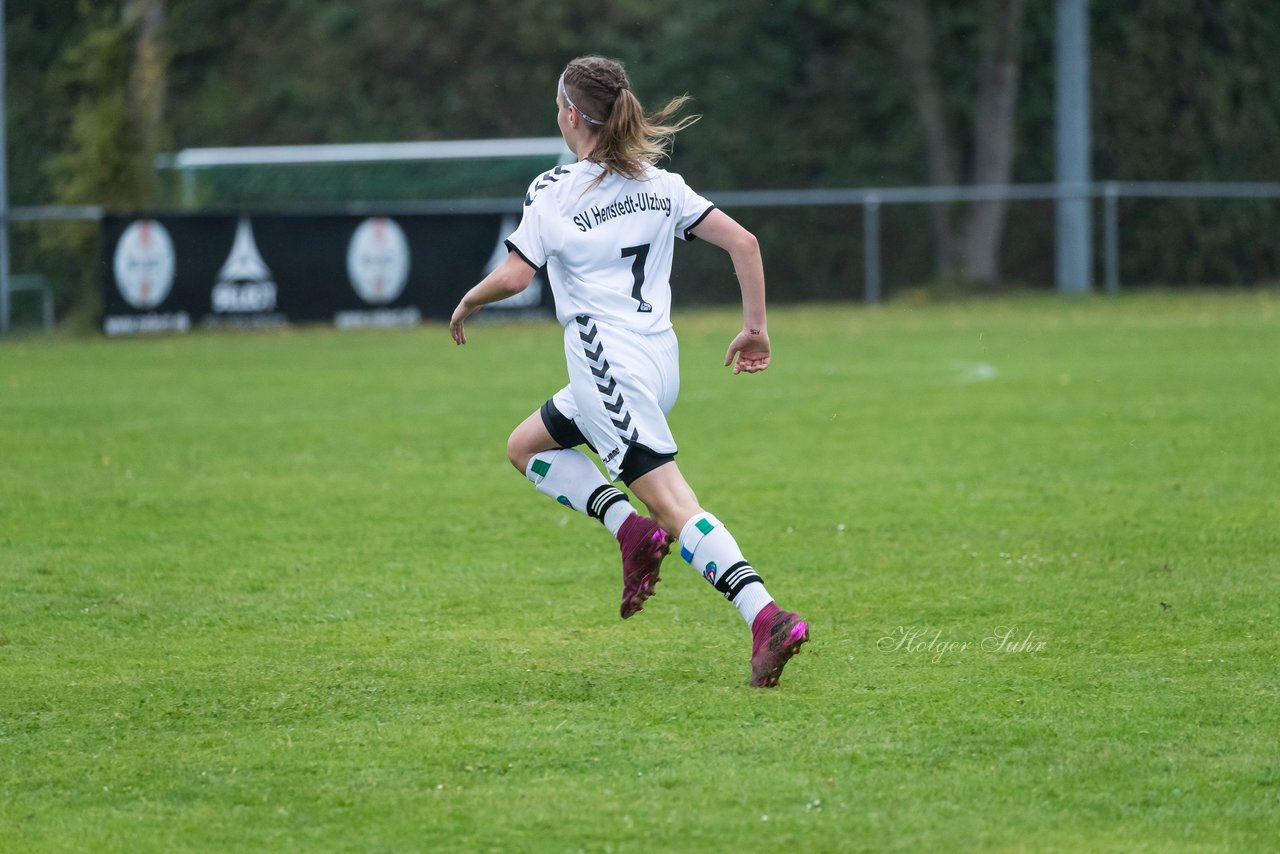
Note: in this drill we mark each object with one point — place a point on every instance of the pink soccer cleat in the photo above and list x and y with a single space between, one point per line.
644 544
776 635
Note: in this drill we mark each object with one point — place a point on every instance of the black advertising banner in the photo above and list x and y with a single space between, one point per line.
169 272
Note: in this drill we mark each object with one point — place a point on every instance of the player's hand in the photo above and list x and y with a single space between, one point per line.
751 349
460 314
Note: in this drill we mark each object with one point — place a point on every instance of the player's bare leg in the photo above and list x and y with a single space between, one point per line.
709 547
568 476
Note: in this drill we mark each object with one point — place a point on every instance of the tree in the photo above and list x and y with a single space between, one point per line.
975 255
915 51
110 81
115 77
144 24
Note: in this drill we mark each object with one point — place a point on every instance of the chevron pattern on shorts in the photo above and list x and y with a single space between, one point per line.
605 383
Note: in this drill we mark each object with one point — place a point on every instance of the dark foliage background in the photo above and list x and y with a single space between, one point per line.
794 94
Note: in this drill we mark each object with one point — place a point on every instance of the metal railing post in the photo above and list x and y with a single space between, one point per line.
188 185
4 185
871 249
1111 235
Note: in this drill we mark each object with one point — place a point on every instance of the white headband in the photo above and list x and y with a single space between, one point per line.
565 94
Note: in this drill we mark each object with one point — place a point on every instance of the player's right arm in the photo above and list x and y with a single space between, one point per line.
751 345
508 279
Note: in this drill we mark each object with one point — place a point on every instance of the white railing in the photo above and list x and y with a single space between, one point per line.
188 162
870 199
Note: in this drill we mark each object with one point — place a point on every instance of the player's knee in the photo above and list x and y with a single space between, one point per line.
518 452
678 517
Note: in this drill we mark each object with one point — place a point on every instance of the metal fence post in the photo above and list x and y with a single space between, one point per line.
1074 207
4 185
188 179
36 284
1111 235
871 248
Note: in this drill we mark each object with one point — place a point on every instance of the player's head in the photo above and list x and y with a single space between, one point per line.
598 91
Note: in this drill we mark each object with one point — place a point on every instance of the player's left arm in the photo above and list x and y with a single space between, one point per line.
508 279
751 345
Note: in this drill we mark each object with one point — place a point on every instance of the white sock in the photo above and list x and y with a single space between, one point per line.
569 476
711 549
617 513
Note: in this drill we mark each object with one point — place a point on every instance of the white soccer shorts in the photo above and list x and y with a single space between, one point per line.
621 386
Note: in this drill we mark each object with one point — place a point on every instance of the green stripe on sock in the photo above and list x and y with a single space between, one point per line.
704 526
541 467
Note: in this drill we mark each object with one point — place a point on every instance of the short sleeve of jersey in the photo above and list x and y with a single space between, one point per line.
530 238
693 210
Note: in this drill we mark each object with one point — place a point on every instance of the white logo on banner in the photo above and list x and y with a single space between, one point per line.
378 260
244 283
530 296
144 264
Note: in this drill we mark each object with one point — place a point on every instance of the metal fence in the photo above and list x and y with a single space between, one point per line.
1110 192
870 200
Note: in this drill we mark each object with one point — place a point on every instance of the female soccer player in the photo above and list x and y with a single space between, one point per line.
605 227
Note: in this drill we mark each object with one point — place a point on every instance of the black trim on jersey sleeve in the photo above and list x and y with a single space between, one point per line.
688 232
511 247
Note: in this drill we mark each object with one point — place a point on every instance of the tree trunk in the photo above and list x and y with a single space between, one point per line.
144 24
993 126
915 51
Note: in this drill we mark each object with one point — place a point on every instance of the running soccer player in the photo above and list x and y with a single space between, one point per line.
605 227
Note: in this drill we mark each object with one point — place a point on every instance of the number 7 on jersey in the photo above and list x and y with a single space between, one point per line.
639 254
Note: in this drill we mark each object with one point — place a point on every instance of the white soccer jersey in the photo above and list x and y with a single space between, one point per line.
608 246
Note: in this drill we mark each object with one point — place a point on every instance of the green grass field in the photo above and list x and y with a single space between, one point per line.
283 592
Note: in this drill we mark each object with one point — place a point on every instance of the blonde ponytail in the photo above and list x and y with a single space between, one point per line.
628 139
